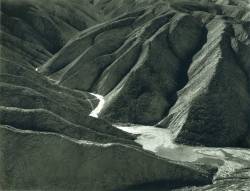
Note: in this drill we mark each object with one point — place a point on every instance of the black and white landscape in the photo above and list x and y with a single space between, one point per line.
125 95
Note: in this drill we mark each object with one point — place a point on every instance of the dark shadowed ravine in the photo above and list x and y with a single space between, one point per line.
125 95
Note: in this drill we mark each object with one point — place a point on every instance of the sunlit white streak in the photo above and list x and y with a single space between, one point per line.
150 137
99 107
160 141
65 137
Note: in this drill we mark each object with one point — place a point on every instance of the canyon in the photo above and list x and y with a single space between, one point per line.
125 95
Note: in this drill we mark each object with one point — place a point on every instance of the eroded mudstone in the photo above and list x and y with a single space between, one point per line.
54 162
148 62
40 23
212 108
146 93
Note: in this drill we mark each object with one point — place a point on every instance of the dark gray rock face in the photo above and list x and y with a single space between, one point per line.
148 90
181 65
62 163
41 22
137 58
36 102
215 102
32 31
46 121
185 71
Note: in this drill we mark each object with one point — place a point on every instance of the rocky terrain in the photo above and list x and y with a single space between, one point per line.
128 95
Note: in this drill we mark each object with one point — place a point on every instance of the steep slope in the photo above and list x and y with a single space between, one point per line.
128 60
34 100
215 102
38 104
140 60
40 22
62 163
52 121
148 90
176 64
37 29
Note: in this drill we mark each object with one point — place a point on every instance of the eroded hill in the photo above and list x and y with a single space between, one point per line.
179 65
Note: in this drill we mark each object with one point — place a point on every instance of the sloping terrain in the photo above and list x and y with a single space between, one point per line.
41 22
82 165
215 97
180 66
141 60
129 63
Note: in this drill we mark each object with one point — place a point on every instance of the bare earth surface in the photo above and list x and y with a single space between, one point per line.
125 95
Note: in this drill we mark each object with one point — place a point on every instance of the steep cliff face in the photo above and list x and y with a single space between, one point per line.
180 66
136 59
215 102
185 60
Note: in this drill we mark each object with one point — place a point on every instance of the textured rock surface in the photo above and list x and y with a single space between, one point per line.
176 64
215 102
62 163
148 90
36 102
154 53
41 22
130 62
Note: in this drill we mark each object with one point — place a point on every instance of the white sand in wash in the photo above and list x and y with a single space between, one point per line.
161 142
99 107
